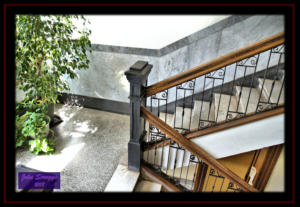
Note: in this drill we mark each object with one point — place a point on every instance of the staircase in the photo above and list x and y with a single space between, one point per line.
213 112
220 98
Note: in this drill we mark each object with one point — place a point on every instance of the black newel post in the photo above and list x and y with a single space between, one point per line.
137 76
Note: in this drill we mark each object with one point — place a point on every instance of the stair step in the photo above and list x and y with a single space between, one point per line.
168 118
267 89
244 97
221 111
204 111
123 180
147 186
182 120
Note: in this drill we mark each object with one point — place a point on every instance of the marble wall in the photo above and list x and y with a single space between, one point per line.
218 44
105 78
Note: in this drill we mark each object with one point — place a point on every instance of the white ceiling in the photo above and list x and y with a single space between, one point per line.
146 31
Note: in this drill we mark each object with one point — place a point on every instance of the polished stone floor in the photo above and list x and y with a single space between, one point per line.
89 145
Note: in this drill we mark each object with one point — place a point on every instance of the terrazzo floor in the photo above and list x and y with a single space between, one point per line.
89 145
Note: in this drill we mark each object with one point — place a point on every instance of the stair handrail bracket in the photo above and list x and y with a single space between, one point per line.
137 76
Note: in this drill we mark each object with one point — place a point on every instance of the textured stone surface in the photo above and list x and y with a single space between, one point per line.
201 108
272 95
105 77
248 98
89 144
147 186
123 180
222 102
183 117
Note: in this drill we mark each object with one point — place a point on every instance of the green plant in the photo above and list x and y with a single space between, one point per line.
20 139
33 126
40 144
46 50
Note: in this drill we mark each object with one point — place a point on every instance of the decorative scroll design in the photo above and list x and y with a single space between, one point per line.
280 49
232 187
194 159
161 95
217 74
234 115
206 123
189 85
155 134
265 106
248 62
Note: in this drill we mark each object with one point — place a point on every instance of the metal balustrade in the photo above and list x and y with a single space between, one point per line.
246 83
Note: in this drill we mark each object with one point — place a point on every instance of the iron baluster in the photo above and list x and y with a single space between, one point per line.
175 107
203 91
273 82
192 103
222 181
252 82
187 171
182 164
241 91
262 87
220 95
211 99
183 108
231 91
282 85
175 160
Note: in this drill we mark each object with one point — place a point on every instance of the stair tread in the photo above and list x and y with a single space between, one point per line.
243 99
267 89
204 112
147 186
221 111
123 180
168 118
183 122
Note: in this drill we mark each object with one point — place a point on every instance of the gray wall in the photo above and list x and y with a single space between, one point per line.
105 77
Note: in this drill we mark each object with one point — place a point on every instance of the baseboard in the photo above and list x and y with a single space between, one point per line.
94 103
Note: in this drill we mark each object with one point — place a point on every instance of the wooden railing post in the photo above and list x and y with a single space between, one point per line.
137 76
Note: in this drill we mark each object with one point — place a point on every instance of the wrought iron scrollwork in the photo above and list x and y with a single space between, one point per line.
279 49
265 106
161 95
248 62
217 74
189 85
231 187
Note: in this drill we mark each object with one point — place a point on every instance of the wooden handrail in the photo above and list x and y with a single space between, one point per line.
217 63
251 117
195 149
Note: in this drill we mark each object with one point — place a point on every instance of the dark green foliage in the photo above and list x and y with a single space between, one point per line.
45 52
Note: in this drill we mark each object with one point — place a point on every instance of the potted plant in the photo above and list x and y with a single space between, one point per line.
35 126
46 50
